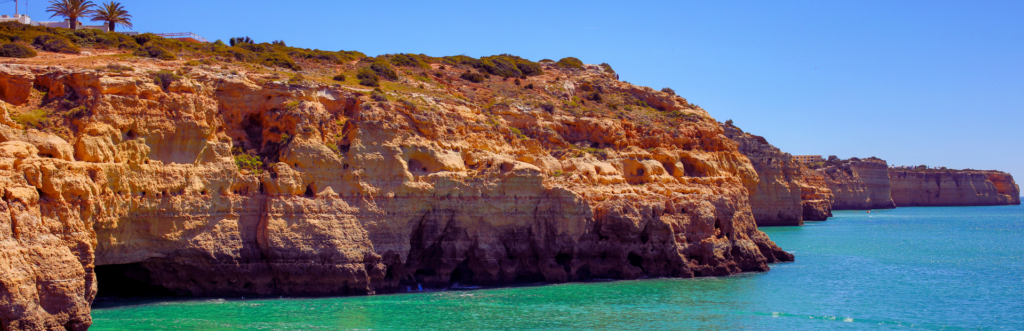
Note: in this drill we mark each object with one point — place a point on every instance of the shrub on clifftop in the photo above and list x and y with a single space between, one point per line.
409 60
383 69
16 50
367 77
472 76
52 43
570 63
156 52
506 65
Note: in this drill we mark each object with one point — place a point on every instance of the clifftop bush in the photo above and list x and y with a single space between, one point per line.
367 77
16 50
570 63
506 65
382 68
156 52
53 43
472 76
607 68
410 60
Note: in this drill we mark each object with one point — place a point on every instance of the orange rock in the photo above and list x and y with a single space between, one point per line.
953 188
356 196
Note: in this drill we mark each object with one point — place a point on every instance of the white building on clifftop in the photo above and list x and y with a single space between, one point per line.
23 19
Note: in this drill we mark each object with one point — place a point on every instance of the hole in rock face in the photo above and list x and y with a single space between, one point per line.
690 167
127 280
253 126
310 192
462 273
669 167
345 166
506 167
639 172
635 260
528 277
416 166
584 272
564 260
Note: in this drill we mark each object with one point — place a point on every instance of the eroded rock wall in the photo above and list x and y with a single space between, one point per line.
953 188
357 195
787 192
858 184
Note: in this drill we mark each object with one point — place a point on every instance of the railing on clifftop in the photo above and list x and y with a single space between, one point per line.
184 35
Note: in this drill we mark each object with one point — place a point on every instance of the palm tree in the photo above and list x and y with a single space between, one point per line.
72 9
113 13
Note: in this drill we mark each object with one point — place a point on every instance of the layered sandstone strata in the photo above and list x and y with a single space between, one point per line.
787 192
857 184
357 194
953 188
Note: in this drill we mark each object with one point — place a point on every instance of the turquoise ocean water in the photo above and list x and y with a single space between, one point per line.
909 268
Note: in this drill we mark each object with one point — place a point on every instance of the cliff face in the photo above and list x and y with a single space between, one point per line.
815 196
357 194
858 184
787 192
953 188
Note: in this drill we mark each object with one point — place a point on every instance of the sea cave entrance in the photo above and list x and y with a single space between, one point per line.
127 281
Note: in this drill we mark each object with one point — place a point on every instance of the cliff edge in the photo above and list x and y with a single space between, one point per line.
227 179
787 192
932 187
857 184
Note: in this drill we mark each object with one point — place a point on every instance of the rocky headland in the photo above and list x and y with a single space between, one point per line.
788 192
124 174
857 184
943 187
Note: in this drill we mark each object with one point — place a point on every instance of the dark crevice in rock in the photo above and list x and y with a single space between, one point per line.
127 280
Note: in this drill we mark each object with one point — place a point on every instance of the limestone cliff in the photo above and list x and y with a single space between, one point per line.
568 175
787 192
953 188
857 184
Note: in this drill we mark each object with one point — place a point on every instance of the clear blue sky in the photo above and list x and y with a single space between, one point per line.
913 82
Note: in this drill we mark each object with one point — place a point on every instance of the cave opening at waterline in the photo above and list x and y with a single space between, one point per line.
127 281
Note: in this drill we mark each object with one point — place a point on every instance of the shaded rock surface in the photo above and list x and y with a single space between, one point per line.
953 188
356 195
787 192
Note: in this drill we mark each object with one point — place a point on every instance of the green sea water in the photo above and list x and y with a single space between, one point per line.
922 268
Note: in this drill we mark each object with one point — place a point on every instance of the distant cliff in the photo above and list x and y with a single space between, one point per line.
787 192
857 184
953 188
